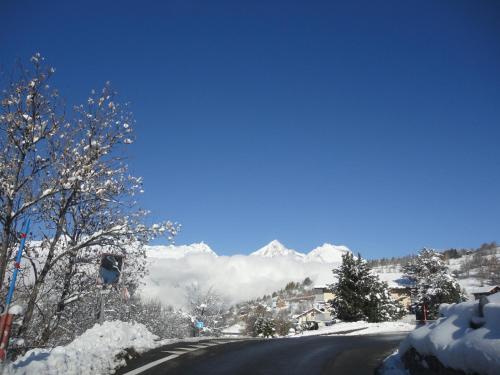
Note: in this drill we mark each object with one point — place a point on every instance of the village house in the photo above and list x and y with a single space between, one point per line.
313 315
485 291
322 294
401 294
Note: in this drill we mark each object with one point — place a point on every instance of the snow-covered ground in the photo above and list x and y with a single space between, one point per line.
455 343
363 328
235 329
99 350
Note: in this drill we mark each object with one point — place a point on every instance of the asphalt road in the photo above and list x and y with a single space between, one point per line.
342 355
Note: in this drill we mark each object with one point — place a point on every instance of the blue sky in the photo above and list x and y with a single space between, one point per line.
370 124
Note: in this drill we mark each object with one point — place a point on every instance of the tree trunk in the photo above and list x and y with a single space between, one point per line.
68 275
6 240
28 315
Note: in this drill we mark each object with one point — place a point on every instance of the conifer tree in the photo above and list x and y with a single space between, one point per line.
434 284
360 295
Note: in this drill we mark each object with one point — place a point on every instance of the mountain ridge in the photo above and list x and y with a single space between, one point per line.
326 253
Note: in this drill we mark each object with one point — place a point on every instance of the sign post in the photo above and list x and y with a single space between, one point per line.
110 271
6 318
199 325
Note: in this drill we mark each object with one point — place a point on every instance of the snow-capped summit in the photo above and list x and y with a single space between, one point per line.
276 249
177 252
327 253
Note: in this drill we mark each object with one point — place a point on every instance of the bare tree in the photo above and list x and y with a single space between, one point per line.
207 306
29 121
70 172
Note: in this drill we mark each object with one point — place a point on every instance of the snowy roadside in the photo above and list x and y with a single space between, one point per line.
100 350
393 365
466 339
361 327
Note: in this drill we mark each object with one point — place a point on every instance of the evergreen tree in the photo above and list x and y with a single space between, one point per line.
360 295
264 326
380 306
434 284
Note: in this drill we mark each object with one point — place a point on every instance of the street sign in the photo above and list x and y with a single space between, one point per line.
111 268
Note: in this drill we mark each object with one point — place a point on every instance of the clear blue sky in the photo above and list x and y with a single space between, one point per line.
371 124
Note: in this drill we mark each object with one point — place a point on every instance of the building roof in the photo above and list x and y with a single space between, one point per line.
308 311
485 289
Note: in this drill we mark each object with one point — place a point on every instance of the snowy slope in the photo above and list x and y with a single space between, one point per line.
327 253
276 249
177 252
95 352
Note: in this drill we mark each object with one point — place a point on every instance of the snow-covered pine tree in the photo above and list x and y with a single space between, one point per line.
254 318
381 306
360 295
351 289
434 284
264 326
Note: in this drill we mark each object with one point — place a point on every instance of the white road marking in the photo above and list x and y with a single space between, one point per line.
151 364
173 352
200 346
186 349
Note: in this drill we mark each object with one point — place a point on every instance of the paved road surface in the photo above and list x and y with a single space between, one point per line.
342 355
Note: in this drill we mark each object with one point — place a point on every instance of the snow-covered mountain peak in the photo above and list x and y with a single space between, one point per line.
177 252
276 249
327 253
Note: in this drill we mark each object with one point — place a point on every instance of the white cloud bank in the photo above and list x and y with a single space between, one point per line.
237 277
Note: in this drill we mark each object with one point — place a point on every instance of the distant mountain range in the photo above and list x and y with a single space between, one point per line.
326 253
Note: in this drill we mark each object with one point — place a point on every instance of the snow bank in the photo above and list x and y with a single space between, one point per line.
452 340
94 352
393 365
364 328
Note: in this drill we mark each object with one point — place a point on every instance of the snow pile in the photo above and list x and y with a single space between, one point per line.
393 365
455 343
97 351
360 328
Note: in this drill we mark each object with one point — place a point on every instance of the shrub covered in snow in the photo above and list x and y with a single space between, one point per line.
99 350
466 337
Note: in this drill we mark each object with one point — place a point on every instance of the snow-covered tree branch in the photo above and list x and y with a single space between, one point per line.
68 172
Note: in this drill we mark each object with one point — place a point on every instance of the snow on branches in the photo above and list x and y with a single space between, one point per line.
433 282
360 295
68 172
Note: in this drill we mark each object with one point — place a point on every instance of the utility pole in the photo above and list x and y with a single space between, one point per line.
7 318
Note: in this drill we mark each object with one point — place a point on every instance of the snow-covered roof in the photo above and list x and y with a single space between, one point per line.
320 287
308 311
484 289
